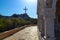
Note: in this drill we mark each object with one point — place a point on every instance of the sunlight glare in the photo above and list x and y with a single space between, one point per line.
31 1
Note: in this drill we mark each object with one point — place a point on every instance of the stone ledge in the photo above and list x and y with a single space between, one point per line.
11 32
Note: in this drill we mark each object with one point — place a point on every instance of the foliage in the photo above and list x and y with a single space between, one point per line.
7 24
33 21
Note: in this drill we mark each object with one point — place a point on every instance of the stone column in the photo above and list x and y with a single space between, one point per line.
46 10
49 20
49 29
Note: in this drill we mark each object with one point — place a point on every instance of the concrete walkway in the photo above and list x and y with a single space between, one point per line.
29 33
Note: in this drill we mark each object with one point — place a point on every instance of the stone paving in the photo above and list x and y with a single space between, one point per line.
29 33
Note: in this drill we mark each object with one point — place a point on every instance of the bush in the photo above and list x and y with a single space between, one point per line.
7 24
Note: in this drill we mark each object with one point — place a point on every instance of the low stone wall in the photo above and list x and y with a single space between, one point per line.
11 32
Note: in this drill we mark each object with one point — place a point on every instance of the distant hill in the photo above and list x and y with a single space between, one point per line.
21 16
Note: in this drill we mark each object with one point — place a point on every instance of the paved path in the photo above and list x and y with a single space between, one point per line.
29 33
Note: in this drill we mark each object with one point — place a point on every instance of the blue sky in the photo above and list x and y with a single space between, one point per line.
9 7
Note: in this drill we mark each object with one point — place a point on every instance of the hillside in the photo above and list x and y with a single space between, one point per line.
14 21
